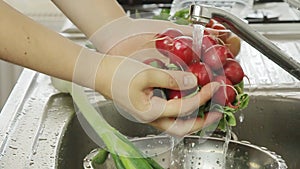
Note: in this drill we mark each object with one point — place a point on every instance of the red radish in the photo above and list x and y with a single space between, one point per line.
155 63
225 95
222 79
207 42
210 23
196 59
215 57
222 35
206 32
202 72
211 32
164 45
229 54
183 49
218 26
164 40
233 71
171 32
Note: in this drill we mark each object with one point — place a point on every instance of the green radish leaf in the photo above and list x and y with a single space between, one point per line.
154 64
222 124
244 101
172 66
163 15
230 119
240 87
201 111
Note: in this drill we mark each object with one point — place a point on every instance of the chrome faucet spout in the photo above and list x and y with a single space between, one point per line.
201 14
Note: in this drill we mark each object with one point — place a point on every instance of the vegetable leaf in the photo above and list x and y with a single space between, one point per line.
124 153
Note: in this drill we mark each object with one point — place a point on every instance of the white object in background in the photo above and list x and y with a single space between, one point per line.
9 75
42 11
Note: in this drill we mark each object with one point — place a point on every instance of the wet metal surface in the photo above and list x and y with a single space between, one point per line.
197 152
32 123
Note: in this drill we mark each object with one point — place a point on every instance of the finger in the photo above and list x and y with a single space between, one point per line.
186 106
149 53
177 80
177 107
181 127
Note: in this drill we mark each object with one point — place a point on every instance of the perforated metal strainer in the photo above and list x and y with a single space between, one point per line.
200 153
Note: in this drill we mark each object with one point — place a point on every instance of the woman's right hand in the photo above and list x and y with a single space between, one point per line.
130 84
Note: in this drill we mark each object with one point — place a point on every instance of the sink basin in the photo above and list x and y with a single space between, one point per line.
273 122
38 125
269 121
196 152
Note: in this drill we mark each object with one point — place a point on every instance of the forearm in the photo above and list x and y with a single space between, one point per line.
90 15
29 44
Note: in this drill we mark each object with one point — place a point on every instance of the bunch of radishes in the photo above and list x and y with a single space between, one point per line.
215 62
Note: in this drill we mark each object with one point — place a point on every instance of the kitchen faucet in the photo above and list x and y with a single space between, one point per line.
201 14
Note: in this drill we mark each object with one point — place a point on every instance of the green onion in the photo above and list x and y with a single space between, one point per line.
124 153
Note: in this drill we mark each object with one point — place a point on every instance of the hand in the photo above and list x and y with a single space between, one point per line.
130 85
124 36
137 80
128 82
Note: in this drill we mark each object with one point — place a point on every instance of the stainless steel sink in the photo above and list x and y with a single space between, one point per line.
273 122
38 126
39 129
269 121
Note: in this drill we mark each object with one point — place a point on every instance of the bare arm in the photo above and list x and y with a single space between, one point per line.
27 43
128 82
89 15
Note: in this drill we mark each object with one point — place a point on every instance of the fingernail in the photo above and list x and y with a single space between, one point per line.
212 117
189 80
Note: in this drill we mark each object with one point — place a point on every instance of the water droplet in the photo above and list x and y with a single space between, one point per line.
13 147
160 142
241 117
42 139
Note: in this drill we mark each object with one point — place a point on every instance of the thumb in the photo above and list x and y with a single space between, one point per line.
177 80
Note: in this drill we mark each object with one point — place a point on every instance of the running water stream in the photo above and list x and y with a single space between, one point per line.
198 32
226 144
178 163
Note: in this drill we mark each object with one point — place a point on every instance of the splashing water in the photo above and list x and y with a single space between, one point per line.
226 143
